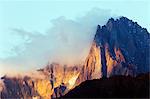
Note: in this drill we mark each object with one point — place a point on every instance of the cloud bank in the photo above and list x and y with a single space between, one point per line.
67 42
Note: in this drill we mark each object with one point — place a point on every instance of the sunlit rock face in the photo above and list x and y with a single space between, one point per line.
92 66
52 81
26 86
121 47
62 78
61 74
18 87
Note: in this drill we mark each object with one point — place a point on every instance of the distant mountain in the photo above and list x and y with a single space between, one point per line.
113 87
121 47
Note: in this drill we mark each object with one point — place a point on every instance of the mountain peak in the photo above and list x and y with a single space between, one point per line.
110 20
119 45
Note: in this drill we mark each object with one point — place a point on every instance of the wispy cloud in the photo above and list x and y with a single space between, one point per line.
66 42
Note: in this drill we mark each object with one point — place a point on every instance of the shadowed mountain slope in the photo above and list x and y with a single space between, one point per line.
113 87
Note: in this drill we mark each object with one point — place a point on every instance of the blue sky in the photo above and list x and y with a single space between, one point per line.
35 17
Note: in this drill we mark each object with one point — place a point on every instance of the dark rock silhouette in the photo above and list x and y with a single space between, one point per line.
59 91
114 87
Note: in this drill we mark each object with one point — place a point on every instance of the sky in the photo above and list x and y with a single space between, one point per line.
33 32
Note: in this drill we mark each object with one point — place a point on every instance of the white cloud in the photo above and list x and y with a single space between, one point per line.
66 42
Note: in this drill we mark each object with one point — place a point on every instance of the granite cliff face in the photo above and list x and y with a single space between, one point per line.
121 47
92 67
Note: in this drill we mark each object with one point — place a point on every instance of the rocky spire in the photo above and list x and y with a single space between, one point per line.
122 46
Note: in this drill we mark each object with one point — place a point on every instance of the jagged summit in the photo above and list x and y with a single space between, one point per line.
130 38
122 48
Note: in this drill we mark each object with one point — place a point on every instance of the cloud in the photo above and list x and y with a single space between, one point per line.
66 42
